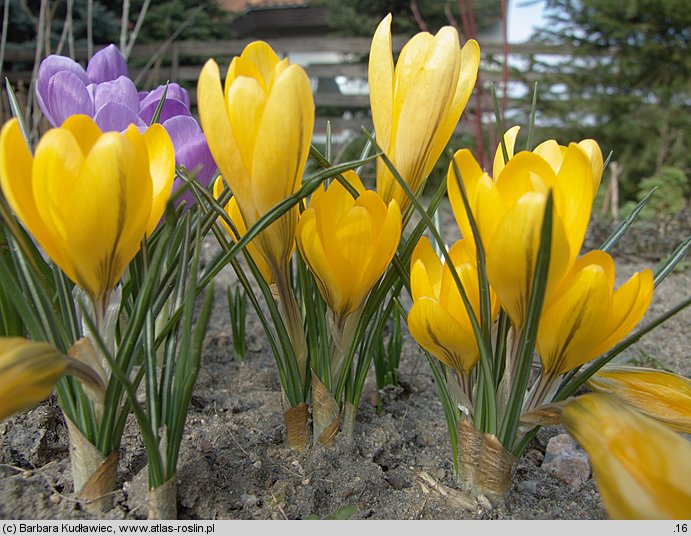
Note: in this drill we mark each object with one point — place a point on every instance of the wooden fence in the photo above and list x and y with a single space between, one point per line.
154 64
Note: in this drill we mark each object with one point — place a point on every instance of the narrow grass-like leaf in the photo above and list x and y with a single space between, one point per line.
621 229
17 112
531 122
668 265
499 122
159 107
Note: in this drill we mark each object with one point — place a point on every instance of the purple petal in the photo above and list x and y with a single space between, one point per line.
171 108
181 129
49 67
174 92
196 157
115 116
121 90
106 65
67 95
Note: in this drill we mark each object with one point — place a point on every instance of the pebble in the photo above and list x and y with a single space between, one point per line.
567 461
529 486
248 501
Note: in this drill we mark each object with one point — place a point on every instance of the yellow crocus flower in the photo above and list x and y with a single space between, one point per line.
416 105
661 395
259 129
87 197
348 243
585 316
235 216
642 468
438 320
508 211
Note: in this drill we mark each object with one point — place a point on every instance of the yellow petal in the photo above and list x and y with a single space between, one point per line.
483 197
643 469
470 62
573 195
28 373
84 130
108 208
425 84
161 156
216 127
661 395
382 249
592 150
525 172
380 79
512 254
245 103
262 57
17 185
552 152
575 318
510 142
312 252
629 304
440 334
425 271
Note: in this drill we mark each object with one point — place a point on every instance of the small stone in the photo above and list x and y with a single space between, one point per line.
248 501
567 461
534 457
257 464
305 481
440 474
398 483
529 486
54 498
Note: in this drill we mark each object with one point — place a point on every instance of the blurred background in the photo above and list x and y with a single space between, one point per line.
616 71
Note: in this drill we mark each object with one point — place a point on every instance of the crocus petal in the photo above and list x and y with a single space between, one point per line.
380 79
629 304
470 62
197 159
84 130
181 129
28 373
510 142
107 64
114 194
174 92
161 158
50 66
312 250
512 254
121 90
17 185
216 127
570 324
573 196
440 334
171 108
661 395
67 95
484 199
642 469
116 117
592 149
425 271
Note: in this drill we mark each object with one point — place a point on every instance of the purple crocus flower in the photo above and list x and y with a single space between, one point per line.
105 92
